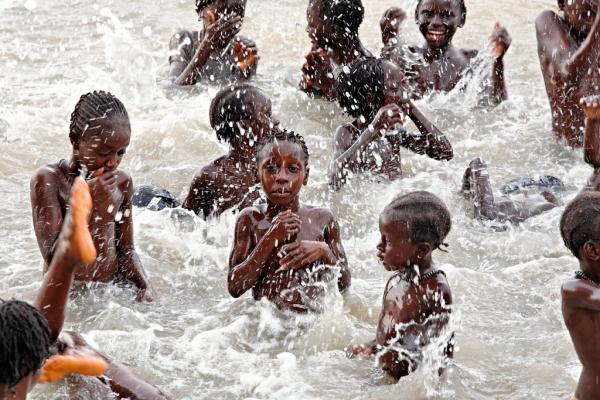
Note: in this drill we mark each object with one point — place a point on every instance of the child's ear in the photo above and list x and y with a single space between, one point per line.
305 182
423 249
591 250
463 20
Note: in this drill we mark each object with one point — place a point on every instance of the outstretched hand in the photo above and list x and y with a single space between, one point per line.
246 56
500 40
317 73
221 32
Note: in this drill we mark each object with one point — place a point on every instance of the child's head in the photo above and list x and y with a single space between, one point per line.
412 227
368 84
25 345
100 131
241 113
211 10
579 14
331 20
439 20
580 226
282 166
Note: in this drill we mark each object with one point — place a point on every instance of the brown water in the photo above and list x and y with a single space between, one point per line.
199 343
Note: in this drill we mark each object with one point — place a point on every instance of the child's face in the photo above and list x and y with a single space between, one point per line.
393 83
580 14
262 120
320 33
220 9
282 172
395 249
104 144
438 21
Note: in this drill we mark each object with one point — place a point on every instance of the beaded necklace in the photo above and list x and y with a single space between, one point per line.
424 277
583 276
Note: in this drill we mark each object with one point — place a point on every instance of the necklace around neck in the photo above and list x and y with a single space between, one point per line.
583 276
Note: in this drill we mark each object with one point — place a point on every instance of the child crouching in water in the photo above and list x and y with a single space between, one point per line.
417 300
284 250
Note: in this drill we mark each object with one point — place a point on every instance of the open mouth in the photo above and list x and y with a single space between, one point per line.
281 193
436 35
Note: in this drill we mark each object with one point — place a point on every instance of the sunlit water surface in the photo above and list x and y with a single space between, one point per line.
199 343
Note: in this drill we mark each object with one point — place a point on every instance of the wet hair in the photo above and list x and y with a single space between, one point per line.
427 218
355 83
202 4
278 135
561 4
230 105
580 221
91 106
347 14
25 341
461 4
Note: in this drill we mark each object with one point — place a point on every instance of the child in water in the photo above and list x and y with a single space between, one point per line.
591 144
240 116
371 91
437 65
580 230
100 134
417 300
333 31
568 48
31 335
285 250
215 53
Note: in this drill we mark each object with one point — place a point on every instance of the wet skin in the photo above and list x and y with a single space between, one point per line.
100 151
591 145
358 148
413 313
219 186
284 250
569 51
437 65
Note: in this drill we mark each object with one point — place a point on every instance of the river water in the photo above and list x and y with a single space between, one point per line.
199 343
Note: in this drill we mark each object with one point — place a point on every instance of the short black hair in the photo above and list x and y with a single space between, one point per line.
355 83
282 135
94 105
230 105
461 4
580 221
25 341
347 14
427 218
561 4
202 4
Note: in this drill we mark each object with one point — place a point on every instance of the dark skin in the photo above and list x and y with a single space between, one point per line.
477 186
437 65
413 313
569 51
74 250
331 47
365 145
100 151
283 250
581 312
219 186
591 144
218 42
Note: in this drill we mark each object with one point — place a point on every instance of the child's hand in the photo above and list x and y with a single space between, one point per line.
104 190
591 106
220 33
390 23
246 56
285 225
361 349
500 40
57 367
146 296
386 118
317 73
301 254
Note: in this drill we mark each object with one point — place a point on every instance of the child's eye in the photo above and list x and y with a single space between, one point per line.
122 153
104 153
293 169
446 14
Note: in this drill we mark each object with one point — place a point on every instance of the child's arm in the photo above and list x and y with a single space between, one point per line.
591 144
500 41
579 294
247 261
476 181
128 259
200 198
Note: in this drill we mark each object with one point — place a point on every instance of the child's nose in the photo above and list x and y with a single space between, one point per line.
112 161
281 176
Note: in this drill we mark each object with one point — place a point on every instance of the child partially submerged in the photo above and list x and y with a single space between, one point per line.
568 48
417 301
371 90
215 53
437 65
285 251
100 132
580 230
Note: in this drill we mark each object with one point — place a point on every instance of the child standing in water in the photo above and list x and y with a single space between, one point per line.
568 48
371 90
580 230
215 53
285 250
240 116
100 134
417 300
438 65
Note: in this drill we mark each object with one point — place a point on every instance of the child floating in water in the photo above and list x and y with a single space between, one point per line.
100 134
580 230
438 65
371 91
285 250
538 195
215 53
417 300
591 144
31 335
333 31
240 116
568 49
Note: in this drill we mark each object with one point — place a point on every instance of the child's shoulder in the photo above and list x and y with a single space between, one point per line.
545 20
47 174
317 213
252 214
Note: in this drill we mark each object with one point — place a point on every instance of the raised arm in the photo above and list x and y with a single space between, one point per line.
431 141
500 41
591 143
